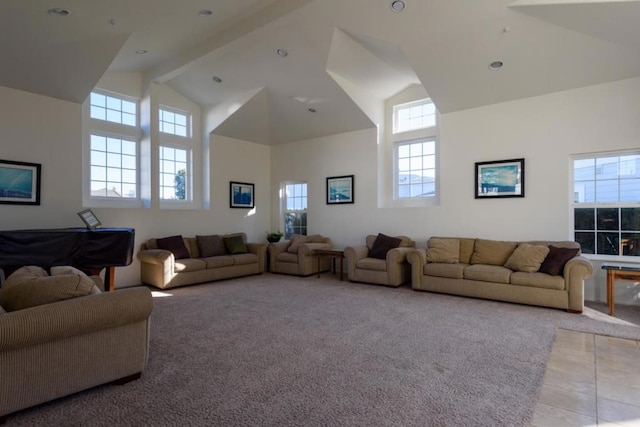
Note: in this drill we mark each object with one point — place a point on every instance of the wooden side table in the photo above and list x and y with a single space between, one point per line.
336 255
618 272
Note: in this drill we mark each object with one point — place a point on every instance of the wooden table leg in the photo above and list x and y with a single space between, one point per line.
109 279
610 292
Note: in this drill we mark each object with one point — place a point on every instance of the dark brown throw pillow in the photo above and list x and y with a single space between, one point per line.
554 263
235 245
174 244
210 246
382 245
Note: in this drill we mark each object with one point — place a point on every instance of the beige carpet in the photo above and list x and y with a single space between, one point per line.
274 350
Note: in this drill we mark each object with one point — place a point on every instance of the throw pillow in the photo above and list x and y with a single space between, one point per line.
492 252
382 245
174 244
443 250
527 258
29 289
555 261
210 246
295 242
235 245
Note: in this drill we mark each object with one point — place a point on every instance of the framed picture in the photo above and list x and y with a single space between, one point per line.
19 183
89 219
241 195
501 178
340 190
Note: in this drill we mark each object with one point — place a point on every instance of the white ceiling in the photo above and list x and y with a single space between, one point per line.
336 48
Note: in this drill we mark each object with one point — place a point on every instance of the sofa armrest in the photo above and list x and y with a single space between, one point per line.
352 254
155 256
398 255
73 317
418 259
576 270
260 249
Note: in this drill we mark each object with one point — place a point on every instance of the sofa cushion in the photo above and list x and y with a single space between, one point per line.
488 273
316 238
538 280
556 259
527 258
295 242
452 271
175 245
287 257
235 245
32 286
443 250
189 264
492 252
244 259
372 264
218 261
382 245
467 246
210 245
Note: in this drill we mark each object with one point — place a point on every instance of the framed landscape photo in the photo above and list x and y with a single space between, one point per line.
241 195
501 178
19 183
340 190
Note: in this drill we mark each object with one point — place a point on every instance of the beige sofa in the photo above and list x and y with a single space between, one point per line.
52 350
503 271
394 270
297 255
160 268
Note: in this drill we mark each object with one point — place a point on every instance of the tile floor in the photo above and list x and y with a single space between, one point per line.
591 380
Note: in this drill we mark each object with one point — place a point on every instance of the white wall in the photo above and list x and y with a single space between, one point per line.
544 130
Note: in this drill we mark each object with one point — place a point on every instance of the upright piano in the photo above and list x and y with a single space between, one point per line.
87 250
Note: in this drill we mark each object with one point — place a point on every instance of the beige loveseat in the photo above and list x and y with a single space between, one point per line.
160 268
297 255
391 270
56 349
543 273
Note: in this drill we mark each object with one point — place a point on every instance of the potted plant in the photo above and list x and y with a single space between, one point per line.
274 237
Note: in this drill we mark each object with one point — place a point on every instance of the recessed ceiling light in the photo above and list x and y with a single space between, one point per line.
217 79
312 110
495 65
205 12
397 6
56 11
141 51
282 52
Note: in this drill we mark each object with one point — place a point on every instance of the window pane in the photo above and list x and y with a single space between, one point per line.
630 244
181 119
630 190
98 142
181 130
607 191
416 173
587 242
114 174
630 219
114 160
129 147
98 113
98 173
404 151
584 219
129 191
584 169
607 219
114 145
98 99
114 103
128 119
629 166
608 244
129 107
584 192
129 176
181 156
114 116
113 109
98 158
606 167
129 162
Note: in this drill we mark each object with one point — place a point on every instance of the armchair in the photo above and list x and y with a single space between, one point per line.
393 270
297 255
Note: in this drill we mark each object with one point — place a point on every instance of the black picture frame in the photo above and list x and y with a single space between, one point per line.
241 195
340 190
499 179
19 183
90 219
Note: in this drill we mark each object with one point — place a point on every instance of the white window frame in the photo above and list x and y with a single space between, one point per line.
121 181
186 114
284 210
601 205
109 129
188 175
396 172
407 106
119 98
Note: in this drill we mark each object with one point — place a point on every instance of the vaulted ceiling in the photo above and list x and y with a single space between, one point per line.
335 49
